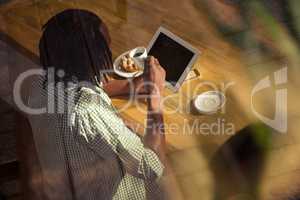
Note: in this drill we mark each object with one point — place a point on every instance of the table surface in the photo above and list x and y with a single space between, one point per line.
219 64
132 23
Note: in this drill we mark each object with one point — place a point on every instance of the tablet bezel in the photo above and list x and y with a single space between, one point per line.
180 41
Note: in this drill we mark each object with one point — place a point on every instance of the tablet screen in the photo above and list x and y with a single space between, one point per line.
173 57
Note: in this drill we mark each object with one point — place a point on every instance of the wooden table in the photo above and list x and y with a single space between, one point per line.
219 63
132 23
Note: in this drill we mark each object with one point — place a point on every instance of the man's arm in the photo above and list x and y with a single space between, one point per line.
123 87
155 136
90 124
155 133
153 80
154 83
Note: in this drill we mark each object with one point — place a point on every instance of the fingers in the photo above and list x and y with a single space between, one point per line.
156 62
149 62
152 61
147 65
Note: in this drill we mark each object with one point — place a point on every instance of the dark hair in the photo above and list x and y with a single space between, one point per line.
72 42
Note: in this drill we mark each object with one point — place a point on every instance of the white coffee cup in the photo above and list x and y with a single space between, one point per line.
139 54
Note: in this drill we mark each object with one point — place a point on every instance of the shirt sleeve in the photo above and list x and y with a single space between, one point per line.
97 125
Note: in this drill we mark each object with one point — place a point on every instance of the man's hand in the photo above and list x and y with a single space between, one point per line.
154 77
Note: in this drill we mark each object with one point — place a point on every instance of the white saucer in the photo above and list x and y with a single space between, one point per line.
122 73
209 102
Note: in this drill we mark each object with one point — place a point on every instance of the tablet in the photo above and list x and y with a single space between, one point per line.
175 55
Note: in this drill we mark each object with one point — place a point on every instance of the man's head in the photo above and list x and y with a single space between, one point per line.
77 42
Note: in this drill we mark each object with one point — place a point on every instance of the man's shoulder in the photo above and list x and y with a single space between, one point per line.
91 98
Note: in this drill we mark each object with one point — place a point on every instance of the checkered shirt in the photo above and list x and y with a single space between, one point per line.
86 152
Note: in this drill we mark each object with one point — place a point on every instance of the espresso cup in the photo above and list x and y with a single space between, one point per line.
139 55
